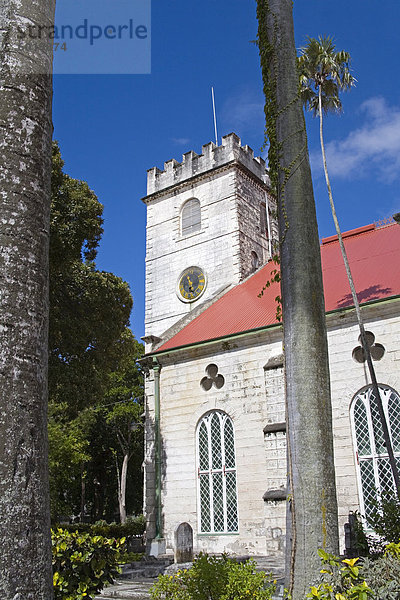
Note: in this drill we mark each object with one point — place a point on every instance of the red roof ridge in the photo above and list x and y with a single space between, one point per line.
347 234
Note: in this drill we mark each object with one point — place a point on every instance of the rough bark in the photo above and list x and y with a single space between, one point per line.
25 167
312 495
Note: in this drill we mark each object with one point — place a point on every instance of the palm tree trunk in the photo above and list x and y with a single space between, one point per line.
363 337
312 493
25 151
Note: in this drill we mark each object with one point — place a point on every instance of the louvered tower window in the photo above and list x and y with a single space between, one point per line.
191 217
217 489
374 472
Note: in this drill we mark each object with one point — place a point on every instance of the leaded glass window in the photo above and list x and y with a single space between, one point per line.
217 488
191 217
374 472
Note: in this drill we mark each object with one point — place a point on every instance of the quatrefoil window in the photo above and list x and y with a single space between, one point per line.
377 350
213 378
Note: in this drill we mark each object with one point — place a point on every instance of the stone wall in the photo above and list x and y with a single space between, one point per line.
243 398
348 377
253 396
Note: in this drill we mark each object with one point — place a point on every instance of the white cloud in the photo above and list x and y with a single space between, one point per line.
181 141
375 146
243 112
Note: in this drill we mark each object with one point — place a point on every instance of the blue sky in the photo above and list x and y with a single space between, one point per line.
112 128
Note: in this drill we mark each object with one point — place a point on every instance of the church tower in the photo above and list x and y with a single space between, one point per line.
210 224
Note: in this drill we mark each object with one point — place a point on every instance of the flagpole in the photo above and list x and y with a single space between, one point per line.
215 117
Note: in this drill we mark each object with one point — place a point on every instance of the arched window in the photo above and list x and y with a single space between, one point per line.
374 472
217 474
255 262
191 217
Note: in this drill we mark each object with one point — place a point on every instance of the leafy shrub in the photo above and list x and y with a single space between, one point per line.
383 573
129 557
245 583
384 518
359 579
363 543
83 564
212 578
133 527
340 580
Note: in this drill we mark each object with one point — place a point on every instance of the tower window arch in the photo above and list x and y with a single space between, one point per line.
217 487
255 261
373 467
191 217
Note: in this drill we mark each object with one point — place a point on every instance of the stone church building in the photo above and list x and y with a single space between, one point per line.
215 409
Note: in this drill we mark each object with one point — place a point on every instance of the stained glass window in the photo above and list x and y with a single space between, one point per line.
217 474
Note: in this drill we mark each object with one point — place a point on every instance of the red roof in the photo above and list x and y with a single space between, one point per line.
374 256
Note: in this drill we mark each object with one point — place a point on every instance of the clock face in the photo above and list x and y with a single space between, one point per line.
191 284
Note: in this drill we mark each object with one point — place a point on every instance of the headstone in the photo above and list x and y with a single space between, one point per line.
350 537
183 543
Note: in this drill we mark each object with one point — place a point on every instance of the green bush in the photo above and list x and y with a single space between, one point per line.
129 557
383 573
384 518
340 580
212 578
245 583
359 579
134 526
83 564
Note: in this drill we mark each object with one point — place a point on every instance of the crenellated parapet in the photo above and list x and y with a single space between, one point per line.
212 157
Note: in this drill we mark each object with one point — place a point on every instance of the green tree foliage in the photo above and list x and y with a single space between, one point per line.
113 436
69 448
323 72
124 420
89 309
92 360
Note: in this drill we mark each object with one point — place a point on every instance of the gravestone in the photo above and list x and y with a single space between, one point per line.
183 543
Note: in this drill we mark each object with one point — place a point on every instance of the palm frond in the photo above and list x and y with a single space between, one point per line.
320 65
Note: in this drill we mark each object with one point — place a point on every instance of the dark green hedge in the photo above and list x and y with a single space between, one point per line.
132 528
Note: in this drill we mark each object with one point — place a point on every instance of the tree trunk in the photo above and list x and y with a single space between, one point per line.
122 490
25 154
312 494
83 493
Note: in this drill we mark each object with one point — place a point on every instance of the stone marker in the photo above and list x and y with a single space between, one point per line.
183 543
